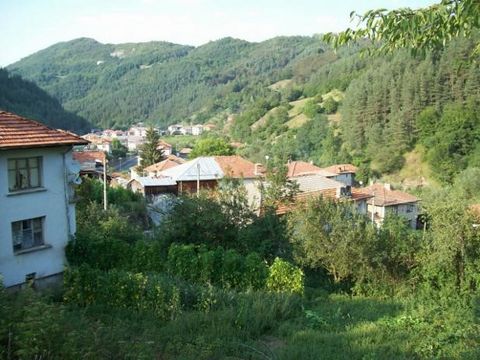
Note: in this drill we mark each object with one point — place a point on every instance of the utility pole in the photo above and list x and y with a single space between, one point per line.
105 182
198 179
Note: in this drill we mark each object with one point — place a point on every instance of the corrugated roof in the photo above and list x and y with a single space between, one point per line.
387 197
205 168
156 181
19 132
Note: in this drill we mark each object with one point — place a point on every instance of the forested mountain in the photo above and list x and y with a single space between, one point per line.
389 103
115 85
26 98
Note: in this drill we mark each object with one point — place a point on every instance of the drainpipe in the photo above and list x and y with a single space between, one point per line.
65 190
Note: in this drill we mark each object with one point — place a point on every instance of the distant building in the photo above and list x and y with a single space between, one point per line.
197 130
37 211
355 196
91 163
344 173
169 162
185 153
98 142
386 201
165 148
176 129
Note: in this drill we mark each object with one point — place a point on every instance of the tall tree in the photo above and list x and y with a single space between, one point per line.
149 152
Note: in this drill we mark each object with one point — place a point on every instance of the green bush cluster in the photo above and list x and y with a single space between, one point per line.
165 296
225 268
285 277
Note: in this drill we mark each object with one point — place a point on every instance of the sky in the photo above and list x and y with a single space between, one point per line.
30 25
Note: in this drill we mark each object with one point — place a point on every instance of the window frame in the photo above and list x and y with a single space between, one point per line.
16 169
30 228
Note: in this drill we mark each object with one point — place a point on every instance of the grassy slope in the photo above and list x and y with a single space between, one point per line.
414 173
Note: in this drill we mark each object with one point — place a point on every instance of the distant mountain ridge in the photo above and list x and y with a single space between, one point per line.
161 82
25 98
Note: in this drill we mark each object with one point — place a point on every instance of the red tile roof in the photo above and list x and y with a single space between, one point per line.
297 168
302 198
162 144
387 197
168 163
88 156
341 169
19 132
238 167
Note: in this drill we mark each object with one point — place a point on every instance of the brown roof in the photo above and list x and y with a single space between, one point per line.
297 168
19 132
385 196
168 163
237 167
163 145
88 156
302 198
186 150
341 169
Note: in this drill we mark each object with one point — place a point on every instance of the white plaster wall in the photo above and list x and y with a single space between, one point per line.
253 192
52 204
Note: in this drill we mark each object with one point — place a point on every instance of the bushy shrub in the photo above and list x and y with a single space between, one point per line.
285 277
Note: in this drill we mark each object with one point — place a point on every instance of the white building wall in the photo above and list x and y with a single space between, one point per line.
51 202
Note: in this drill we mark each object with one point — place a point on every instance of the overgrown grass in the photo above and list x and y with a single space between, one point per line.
259 326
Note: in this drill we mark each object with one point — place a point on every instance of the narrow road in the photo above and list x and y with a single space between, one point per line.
124 164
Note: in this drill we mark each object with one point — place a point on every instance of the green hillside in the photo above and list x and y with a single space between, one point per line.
116 85
25 98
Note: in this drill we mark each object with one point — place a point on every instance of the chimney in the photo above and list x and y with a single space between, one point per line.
387 187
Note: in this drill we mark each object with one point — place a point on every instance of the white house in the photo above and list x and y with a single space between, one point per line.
197 130
386 201
37 211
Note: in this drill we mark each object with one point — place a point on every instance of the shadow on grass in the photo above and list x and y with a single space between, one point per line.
340 327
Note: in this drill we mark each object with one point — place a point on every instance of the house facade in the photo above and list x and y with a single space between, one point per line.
387 201
37 210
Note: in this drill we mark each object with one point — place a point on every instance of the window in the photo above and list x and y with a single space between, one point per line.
24 173
27 234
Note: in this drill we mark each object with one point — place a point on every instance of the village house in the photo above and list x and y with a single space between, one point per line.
202 173
345 173
184 153
175 129
165 148
197 130
37 209
98 142
169 162
355 196
386 201
91 163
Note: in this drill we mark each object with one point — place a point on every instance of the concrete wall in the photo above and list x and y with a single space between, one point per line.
51 202
346 178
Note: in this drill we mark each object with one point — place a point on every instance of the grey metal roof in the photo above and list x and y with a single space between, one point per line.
189 171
